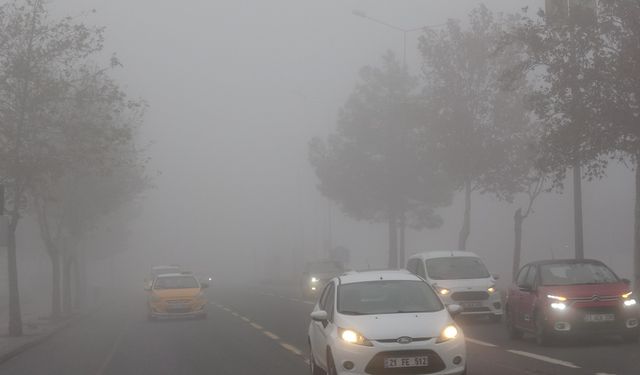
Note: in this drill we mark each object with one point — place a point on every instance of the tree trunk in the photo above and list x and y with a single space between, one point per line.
393 240
466 225
517 246
636 240
55 285
66 285
15 316
80 267
577 210
401 248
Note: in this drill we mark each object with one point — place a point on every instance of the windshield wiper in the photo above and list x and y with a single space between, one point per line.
347 312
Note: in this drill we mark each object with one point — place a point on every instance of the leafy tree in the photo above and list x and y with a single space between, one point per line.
463 91
37 55
618 110
566 54
374 166
95 146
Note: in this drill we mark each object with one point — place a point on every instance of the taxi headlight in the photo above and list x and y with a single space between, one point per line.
627 295
449 332
558 306
353 337
630 302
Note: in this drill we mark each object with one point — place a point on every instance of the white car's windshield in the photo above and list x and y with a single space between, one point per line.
576 273
387 297
454 268
176 282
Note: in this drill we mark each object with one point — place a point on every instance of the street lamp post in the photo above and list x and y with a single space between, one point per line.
404 31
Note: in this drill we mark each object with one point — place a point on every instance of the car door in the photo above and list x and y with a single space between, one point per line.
319 337
528 297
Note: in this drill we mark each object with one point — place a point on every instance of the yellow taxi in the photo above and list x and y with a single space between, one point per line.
176 295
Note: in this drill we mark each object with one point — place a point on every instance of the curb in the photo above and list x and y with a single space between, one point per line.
44 337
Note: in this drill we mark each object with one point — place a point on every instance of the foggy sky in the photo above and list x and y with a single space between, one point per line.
237 88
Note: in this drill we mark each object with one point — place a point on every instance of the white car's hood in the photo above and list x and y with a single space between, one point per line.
393 326
465 284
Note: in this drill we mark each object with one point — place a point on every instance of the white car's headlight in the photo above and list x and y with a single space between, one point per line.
314 280
353 337
443 291
491 289
449 332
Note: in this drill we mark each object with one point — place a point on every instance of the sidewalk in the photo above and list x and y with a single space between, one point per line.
36 327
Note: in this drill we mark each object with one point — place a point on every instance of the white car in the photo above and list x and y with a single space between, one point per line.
384 322
460 277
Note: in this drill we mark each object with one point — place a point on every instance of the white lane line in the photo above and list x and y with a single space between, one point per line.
226 309
256 326
291 348
478 342
603 373
544 358
309 303
271 335
113 350
245 319
234 314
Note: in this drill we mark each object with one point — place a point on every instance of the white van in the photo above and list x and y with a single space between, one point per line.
460 278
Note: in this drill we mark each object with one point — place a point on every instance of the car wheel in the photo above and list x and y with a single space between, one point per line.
632 337
313 366
543 338
331 366
514 332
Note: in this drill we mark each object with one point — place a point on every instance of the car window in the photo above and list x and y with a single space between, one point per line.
412 266
455 268
421 270
323 298
330 302
576 273
176 282
531 277
387 297
522 276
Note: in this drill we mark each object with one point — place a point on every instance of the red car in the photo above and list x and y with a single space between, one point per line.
555 298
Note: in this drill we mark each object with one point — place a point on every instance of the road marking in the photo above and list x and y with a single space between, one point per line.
245 319
544 358
309 303
256 326
603 373
478 342
291 348
226 309
113 350
271 335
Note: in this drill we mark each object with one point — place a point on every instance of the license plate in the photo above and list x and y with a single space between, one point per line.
470 305
599 317
401 362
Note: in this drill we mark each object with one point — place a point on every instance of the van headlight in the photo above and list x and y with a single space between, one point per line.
559 306
353 337
630 302
491 289
449 332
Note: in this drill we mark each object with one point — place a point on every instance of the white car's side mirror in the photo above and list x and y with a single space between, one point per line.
454 309
319 316
496 276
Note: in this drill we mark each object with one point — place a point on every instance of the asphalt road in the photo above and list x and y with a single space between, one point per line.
253 330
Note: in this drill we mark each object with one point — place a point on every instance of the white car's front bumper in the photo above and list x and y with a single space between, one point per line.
370 360
475 302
